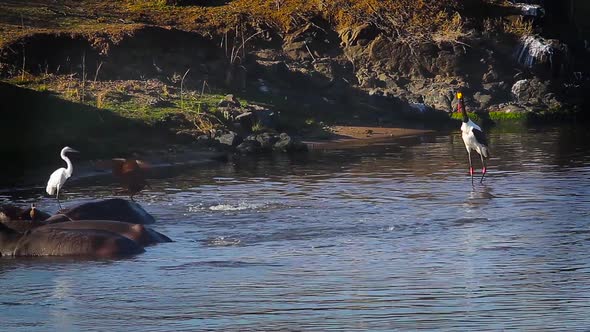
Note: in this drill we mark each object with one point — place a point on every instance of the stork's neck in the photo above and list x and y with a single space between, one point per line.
70 167
463 111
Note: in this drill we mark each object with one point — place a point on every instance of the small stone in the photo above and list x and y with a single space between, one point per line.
249 147
229 139
229 101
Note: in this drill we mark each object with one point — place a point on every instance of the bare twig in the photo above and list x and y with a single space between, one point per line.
243 41
234 55
201 96
22 75
97 70
225 41
83 75
308 50
181 87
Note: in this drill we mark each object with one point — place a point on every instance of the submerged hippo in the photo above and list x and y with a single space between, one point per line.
11 212
22 226
110 209
65 242
142 235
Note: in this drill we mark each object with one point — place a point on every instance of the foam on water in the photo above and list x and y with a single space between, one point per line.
236 207
222 241
228 207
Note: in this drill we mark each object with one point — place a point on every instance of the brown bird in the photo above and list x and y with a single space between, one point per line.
32 212
131 173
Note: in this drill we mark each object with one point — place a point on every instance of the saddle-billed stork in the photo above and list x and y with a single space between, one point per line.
474 139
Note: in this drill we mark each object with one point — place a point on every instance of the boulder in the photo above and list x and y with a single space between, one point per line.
311 41
529 91
249 147
230 139
288 144
484 100
229 101
266 140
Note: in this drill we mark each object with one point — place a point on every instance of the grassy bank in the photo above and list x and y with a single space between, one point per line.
520 117
37 124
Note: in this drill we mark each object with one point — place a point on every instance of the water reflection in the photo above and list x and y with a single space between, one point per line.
391 236
480 195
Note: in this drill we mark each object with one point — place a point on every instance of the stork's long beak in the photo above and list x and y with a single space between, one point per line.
72 150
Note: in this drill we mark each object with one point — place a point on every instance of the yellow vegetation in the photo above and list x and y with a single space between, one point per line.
399 19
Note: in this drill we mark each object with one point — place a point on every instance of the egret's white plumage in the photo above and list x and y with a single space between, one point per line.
60 175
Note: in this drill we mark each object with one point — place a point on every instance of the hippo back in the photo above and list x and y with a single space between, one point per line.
109 209
59 242
22 226
136 232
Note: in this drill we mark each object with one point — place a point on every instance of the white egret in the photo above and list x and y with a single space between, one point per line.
60 175
474 139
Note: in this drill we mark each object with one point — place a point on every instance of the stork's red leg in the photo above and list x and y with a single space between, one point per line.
483 169
470 166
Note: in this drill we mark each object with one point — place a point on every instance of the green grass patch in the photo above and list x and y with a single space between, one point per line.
493 116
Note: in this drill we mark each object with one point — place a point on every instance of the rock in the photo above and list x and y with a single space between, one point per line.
552 102
490 76
419 107
229 101
529 91
229 139
484 100
245 121
538 53
158 102
266 140
288 144
266 117
311 41
529 10
249 147
175 120
439 100
359 35
205 140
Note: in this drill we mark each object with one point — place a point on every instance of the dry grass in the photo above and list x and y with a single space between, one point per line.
449 32
519 27
112 20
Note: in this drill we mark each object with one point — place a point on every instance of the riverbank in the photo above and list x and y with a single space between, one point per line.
116 81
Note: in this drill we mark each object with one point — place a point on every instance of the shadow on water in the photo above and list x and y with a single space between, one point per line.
480 195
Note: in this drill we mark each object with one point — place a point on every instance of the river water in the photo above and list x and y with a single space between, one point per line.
391 236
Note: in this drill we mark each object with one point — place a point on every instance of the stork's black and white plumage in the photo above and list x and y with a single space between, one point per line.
474 139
